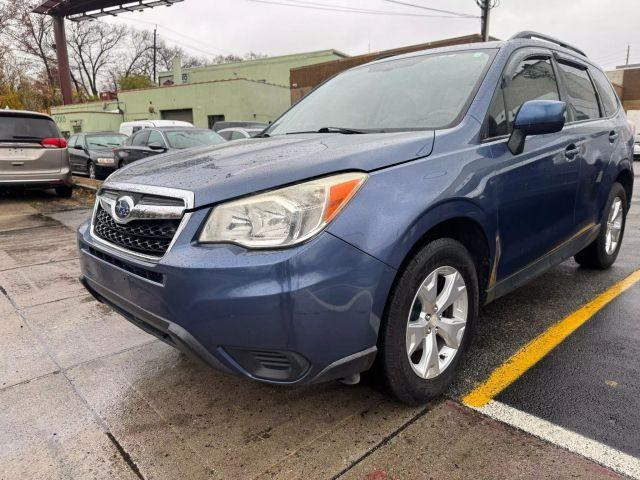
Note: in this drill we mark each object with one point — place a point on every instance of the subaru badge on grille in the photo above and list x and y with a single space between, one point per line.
122 209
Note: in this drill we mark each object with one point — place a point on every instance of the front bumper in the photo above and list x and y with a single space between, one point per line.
293 316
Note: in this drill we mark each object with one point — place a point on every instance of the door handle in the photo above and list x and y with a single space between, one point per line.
612 136
571 151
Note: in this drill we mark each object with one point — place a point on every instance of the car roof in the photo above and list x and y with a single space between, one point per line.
24 113
176 128
106 132
520 39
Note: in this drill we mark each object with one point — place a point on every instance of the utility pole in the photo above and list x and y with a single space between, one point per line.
62 55
628 50
155 53
484 31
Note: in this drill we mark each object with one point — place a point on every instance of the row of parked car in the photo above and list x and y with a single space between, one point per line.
33 152
97 154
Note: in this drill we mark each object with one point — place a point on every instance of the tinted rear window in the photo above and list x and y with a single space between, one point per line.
582 95
26 129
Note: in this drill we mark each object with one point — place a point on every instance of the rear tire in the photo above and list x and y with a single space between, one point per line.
64 191
422 343
603 251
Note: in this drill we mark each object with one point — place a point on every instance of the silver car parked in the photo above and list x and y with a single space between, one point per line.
33 153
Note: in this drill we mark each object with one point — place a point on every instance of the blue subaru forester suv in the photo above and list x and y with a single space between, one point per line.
367 225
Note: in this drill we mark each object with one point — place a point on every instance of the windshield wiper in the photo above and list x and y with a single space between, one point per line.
348 131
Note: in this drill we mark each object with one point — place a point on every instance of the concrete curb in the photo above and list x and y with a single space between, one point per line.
85 184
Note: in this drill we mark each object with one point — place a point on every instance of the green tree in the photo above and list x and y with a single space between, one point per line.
134 82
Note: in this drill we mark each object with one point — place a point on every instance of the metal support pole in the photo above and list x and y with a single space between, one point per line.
64 72
155 54
486 7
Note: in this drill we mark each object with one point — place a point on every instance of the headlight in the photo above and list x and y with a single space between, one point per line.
104 161
282 217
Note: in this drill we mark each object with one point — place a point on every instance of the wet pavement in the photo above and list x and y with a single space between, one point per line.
83 394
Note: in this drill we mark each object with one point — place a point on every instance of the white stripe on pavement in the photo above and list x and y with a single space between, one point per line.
604 455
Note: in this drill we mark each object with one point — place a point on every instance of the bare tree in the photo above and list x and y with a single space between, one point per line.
92 45
30 34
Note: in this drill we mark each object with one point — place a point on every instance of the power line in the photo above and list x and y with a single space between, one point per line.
164 27
337 8
423 7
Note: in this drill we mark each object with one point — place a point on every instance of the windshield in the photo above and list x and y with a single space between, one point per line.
415 93
192 138
26 129
97 142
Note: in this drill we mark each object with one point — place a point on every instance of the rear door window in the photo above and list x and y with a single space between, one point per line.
583 101
16 128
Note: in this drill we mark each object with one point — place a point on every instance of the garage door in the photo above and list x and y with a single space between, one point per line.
184 115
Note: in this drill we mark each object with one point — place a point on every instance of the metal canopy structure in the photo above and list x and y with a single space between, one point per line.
78 10
91 9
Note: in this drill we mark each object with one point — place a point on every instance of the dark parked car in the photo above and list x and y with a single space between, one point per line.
33 152
92 153
375 217
153 141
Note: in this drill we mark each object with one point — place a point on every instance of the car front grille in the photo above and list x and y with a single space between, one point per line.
150 233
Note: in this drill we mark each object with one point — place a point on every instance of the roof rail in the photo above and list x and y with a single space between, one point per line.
540 36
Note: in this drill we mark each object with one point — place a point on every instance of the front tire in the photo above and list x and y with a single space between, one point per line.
603 251
429 320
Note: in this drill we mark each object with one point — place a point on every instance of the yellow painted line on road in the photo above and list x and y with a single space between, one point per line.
539 347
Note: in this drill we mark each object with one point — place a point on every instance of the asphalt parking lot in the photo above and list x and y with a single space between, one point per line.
83 394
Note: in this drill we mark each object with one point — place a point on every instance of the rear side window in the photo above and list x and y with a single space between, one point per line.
533 79
583 101
607 93
26 129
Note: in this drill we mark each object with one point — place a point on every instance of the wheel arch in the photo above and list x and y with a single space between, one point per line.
625 178
460 220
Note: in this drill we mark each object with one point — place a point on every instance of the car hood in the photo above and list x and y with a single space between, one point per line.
238 168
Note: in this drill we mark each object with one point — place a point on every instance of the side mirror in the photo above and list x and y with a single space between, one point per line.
78 147
536 117
157 146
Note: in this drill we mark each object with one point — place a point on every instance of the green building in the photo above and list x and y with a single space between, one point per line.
254 90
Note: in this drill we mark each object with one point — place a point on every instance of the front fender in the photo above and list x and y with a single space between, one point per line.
392 214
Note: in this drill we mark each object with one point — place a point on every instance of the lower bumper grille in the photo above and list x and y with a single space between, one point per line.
140 272
150 237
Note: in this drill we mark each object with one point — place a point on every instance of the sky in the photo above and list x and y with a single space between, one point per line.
603 29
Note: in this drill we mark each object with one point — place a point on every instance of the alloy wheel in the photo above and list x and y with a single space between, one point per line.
437 322
92 171
614 226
